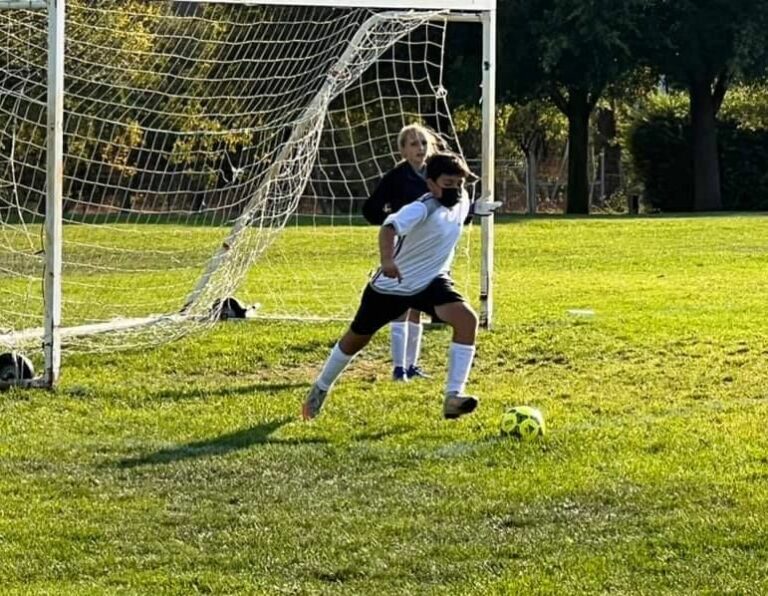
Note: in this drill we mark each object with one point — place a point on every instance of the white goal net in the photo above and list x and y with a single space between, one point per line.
210 150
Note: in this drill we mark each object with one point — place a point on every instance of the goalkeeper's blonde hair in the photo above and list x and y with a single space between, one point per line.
434 142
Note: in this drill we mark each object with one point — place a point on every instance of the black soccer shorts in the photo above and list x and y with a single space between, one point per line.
377 309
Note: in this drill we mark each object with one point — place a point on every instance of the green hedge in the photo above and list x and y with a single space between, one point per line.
661 156
660 146
743 168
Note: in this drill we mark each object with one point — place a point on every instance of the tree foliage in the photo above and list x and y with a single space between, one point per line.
703 46
138 93
569 51
659 138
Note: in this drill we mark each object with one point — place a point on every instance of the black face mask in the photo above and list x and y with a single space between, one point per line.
450 196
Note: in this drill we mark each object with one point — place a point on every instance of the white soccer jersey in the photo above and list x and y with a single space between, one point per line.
427 233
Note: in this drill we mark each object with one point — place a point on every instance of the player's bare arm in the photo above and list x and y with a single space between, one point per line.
386 252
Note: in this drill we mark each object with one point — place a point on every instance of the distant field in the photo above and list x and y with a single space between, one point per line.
185 469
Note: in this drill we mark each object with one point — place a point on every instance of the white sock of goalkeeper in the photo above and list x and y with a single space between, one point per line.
459 364
413 350
333 368
398 336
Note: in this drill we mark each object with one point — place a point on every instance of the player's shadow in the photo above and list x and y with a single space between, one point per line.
372 437
221 445
195 393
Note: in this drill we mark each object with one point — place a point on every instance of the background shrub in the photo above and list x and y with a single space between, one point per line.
659 142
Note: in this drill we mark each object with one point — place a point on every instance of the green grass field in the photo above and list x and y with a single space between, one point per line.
185 469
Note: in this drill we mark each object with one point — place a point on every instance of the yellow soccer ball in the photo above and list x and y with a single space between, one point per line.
523 423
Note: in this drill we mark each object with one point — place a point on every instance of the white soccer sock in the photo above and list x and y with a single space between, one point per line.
398 334
413 350
459 363
332 368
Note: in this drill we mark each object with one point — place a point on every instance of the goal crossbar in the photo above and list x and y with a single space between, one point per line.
471 5
468 5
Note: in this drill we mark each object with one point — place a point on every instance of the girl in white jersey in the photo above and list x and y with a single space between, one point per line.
416 247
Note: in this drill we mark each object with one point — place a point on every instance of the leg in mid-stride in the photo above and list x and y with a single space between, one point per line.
441 298
375 311
461 353
341 355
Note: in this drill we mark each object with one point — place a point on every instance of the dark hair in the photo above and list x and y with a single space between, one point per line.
449 164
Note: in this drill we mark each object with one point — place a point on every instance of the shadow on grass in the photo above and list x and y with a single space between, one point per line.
187 393
365 437
241 439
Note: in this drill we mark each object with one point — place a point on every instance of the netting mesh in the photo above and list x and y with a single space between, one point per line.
196 137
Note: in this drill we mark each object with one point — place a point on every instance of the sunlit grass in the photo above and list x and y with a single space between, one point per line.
186 469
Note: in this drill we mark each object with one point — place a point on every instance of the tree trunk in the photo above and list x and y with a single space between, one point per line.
706 165
578 141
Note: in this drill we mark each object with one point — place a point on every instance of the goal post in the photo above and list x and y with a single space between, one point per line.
487 204
194 138
54 193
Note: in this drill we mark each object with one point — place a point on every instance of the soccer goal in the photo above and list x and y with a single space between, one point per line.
159 157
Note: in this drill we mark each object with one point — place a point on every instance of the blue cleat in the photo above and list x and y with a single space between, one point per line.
399 374
416 372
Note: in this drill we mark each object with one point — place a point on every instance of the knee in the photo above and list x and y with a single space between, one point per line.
472 323
469 319
465 325
352 343
474 320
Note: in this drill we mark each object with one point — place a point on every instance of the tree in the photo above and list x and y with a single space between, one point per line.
703 46
569 51
120 119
